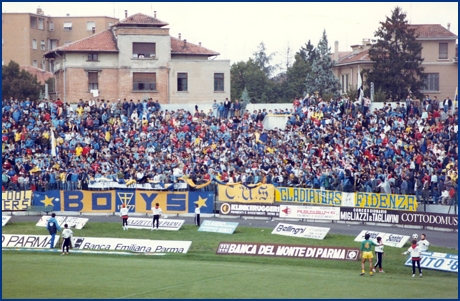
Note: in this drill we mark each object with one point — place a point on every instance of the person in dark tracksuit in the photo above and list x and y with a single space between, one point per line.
379 253
67 235
53 227
197 215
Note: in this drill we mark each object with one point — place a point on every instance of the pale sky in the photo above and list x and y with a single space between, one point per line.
236 29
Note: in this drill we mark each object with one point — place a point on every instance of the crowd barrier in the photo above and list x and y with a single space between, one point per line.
183 201
368 206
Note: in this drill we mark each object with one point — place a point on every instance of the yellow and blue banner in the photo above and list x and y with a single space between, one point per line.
261 193
16 200
308 196
108 201
386 201
204 200
48 198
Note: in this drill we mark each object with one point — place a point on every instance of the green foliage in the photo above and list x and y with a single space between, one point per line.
50 82
294 86
263 60
352 92
19 83
245 100
321 78
380 96
192 275
397 58
248 75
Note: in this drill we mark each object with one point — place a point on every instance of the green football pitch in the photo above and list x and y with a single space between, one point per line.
202 274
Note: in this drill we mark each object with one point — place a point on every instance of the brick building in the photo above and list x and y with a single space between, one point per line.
137 59
26 37
439 50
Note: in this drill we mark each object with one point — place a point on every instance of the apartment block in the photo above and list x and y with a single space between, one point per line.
26 37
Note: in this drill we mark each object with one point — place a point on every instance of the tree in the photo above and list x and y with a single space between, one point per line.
248 75
263 60
308 53
321 78
295 83
18 83
245 100
397 58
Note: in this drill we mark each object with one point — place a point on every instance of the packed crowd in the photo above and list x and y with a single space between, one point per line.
339 144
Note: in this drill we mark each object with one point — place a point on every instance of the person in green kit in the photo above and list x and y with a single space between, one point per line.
366 249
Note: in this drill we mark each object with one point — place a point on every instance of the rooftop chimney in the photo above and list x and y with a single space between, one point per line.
67 15
155 14
448 26
179 35
199 44
126 13
39 11
185 43
336 51
94 30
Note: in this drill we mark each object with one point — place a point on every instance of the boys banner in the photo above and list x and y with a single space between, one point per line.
240 193
110 201
16 200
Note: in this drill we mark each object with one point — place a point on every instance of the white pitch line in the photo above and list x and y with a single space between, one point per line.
191 282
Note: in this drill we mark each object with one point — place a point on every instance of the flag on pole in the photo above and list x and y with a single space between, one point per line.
53 144
360 86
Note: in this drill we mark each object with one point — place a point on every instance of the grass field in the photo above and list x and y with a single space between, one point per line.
202 274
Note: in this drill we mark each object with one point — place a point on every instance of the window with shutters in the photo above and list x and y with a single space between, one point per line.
93 81
144 50
90 25
443 51
43 45
34 44
344 83
33 22
218 82
144 81
182 82
68 26
41 23
93 57
51 26
53 44
431 82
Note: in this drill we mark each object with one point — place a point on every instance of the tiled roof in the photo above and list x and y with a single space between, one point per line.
42 76
362 56
432 31
342 55
141 19
101 42
180 47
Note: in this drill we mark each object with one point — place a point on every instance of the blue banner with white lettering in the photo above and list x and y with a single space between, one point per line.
437 261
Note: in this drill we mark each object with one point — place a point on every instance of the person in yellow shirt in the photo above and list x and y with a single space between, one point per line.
79 110
62 177
78 150
17 136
